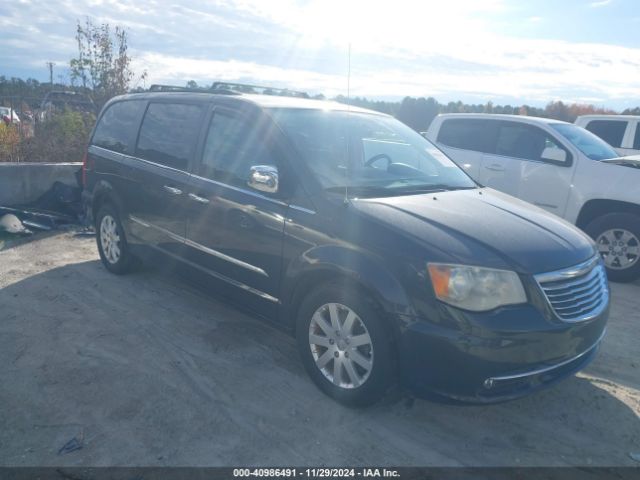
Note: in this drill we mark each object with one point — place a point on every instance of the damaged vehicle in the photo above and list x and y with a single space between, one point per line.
347 228
558 166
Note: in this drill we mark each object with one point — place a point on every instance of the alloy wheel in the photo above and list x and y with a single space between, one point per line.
341 345
109 239
620 249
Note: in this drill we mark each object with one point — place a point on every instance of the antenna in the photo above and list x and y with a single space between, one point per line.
349 79
346 186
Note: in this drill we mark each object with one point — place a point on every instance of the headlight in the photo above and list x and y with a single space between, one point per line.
476 288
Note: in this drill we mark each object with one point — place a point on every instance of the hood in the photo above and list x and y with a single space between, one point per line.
483 227
632 161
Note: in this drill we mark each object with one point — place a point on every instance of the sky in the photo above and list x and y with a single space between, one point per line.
504 51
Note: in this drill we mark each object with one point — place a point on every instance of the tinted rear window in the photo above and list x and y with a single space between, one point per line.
468 134
169 134
611 131
118 125
636 140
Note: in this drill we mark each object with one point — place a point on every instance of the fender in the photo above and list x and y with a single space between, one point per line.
622 187
104 191
328 262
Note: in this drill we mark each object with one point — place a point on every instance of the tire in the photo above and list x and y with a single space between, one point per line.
618 239
356 385
112 244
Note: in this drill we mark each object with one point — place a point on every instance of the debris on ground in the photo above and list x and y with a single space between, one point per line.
72 445
61 198
46 220
11 224
58 208
36 225
85 232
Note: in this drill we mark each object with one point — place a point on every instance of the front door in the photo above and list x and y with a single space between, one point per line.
234 232
517 167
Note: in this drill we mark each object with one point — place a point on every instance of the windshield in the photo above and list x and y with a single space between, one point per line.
369 153
592 146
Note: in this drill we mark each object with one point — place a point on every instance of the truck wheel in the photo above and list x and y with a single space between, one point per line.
618 238
112 244
344 345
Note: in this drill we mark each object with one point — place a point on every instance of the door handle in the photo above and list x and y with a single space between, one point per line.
197 198
172 190
495 167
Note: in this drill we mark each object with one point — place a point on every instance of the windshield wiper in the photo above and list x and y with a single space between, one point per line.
436 187
360 190
376 190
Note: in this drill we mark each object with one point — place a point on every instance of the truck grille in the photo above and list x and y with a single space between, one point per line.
576 293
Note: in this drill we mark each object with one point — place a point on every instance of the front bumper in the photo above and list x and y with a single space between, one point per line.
495 356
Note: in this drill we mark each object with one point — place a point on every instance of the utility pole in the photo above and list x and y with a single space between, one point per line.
51 65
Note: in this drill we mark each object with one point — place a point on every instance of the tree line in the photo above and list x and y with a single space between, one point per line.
419 112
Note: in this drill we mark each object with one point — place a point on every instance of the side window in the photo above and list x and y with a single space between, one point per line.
636 140
523 141
169 134
118 125
234 144
468 134
611 131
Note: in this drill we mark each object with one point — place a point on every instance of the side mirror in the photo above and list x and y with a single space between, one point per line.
263 178
554 155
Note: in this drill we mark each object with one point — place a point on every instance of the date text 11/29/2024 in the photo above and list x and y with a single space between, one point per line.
316 472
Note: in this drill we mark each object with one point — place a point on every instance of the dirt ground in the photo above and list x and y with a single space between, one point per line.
145 370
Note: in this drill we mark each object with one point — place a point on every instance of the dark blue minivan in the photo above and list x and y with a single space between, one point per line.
347 228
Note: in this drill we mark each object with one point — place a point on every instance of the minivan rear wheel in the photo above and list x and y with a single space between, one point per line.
112 244
344 345
617 236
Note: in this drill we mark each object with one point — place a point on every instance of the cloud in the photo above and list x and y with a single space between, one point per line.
531 71
453 49
600 3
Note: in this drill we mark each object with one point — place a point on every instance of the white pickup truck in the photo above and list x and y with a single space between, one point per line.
557 166
622 132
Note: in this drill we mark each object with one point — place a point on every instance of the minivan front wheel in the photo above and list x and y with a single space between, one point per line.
112 245
617 236
344 345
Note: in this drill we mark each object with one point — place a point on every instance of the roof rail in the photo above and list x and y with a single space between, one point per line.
247 88
175 88
231 88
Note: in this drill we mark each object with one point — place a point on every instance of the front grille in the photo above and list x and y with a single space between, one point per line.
577 293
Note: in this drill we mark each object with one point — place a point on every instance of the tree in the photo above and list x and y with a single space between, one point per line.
418 113
488 108
557 110
103 63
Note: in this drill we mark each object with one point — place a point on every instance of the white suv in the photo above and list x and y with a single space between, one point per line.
622 132
557 166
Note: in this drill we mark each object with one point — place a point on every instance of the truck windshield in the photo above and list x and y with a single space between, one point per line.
372 154
592 146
